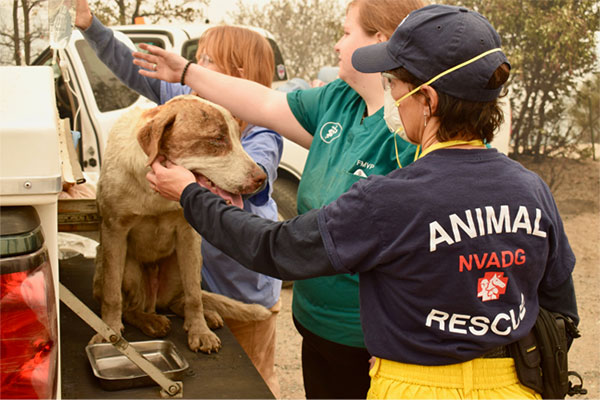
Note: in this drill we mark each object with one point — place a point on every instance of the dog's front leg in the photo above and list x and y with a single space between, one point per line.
189 258
113 252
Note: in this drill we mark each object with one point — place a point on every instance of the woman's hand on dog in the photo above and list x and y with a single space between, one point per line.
159 63
168 179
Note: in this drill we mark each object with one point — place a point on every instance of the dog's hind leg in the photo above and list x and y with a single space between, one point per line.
211 315
236 310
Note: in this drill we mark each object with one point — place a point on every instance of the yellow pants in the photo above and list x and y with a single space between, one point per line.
481 378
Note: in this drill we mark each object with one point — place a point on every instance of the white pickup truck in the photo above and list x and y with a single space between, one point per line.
92 98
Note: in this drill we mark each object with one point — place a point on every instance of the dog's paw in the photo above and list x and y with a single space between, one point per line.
155 325
213 319
205 342
97 338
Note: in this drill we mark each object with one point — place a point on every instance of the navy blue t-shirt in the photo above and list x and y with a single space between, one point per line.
451 252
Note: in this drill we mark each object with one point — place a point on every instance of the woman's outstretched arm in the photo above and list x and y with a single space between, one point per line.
245 99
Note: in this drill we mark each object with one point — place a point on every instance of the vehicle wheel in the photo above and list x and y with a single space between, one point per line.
284 194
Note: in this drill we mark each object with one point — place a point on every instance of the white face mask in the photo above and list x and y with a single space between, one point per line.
391 115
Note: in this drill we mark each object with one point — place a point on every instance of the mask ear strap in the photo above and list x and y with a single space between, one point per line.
415 90
446 72
417 153
396 146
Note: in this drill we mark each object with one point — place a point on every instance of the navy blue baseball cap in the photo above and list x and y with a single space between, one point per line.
431 42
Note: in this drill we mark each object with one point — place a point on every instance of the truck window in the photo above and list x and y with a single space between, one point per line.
280 71
63 100
109 92
190 47
149 40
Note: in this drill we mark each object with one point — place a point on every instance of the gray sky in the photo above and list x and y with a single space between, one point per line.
217 12
218 9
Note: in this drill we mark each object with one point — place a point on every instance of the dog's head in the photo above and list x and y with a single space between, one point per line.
202 137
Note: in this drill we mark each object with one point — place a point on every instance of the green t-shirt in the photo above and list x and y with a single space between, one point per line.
345 149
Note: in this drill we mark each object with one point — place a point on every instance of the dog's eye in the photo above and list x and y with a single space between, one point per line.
218 143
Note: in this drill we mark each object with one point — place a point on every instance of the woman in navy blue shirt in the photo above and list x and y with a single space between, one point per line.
456 252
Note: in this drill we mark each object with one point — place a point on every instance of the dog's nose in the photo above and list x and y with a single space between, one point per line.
260 177
256 180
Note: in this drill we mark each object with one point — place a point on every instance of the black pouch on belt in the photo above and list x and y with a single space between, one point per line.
528 362
541 357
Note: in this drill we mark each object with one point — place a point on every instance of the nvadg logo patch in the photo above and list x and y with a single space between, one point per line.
330 131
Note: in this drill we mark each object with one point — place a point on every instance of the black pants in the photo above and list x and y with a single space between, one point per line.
332 370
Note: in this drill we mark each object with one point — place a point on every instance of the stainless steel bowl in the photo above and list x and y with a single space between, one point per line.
115 371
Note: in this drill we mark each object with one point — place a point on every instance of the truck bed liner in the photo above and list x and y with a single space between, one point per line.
226 374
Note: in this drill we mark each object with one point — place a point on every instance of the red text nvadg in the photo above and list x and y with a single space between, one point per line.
494 259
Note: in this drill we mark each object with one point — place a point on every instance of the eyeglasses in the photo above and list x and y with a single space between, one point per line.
386 80
204 59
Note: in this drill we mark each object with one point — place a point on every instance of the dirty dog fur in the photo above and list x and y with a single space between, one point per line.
149 256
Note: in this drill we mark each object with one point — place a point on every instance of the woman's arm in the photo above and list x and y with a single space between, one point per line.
245 99
114 54
288 250
561 300
265 147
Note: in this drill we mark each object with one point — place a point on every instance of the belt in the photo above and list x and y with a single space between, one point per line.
498 352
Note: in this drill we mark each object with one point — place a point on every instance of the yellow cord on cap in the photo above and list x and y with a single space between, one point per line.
446 72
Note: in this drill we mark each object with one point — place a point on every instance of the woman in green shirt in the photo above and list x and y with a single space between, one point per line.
342 124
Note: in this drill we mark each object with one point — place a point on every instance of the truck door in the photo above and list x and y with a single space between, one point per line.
90 96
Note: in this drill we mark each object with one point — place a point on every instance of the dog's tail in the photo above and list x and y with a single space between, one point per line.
233 309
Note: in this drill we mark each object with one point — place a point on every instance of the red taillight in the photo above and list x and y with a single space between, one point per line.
28 321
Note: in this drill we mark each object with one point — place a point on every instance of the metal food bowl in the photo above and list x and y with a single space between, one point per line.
115 371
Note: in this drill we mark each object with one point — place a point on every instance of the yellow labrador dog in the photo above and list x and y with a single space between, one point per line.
149 256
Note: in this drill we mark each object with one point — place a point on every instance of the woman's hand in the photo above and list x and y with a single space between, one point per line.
159 63
169 179
83 16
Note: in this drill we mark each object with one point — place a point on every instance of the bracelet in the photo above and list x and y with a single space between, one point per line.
183 73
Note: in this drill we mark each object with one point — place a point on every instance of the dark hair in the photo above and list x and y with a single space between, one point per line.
463 118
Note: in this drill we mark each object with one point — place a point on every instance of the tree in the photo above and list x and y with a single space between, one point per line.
551 46
25 35
123 12
306 31
585 112
18 36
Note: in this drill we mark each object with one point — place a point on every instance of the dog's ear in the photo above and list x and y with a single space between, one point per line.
149 136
